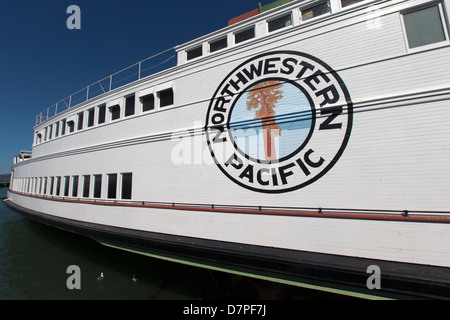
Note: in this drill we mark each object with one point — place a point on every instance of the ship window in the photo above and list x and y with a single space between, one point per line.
56 129
86 185
38 138
52 182
74 186
315 11
45 134
127 179
112 185
97 185
91 114
346 3
194 53
101 113
63 127
50 132
66 186
148 102
45 185
129 105
80 121
424 26
70 126
40 186
115 112
58 186
279 23
165 97
218 44
244 35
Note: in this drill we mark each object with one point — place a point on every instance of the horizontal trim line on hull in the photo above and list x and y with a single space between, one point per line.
360 214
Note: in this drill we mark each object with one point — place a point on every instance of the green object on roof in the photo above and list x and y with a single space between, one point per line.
272 5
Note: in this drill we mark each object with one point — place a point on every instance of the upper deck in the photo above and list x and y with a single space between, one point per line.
248 28
125 94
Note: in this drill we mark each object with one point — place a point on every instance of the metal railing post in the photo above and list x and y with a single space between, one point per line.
139 72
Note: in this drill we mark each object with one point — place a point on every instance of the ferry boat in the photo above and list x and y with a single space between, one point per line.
306 142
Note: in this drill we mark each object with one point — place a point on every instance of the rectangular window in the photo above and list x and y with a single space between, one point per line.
424 26
50 132
346 3
101 113
52 182
279 23
86 186
40 186
45 134
315 11
57 129
70 126
194 53
129 105
75 186
66 186
80 121
58 186
97 185
148 102
38 138
112 186
165 97
63 127
218 44
244 35
45 185
114 111
91 115
127 180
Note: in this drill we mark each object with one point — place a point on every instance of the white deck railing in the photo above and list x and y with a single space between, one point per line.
127 75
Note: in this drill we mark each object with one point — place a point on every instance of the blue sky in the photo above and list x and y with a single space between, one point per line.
42 61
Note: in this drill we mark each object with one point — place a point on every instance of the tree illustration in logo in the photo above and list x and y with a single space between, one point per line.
263 97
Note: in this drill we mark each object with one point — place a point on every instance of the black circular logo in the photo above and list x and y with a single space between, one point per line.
279 121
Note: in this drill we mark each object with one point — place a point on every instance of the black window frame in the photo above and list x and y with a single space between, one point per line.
75 186
86 186
130 104
97 192
166 97
112 186
127 185
244 35
91 117
114 112
279 23
101 116
218 44
194 53
148 105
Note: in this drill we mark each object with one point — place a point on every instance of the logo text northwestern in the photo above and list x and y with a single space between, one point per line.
279 121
